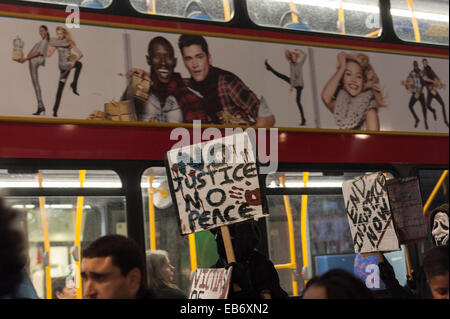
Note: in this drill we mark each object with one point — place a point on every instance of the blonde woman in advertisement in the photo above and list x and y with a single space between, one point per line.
36 58
353 93
66 62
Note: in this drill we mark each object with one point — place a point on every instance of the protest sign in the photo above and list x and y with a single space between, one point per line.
208 283
369 214
215 183
406 204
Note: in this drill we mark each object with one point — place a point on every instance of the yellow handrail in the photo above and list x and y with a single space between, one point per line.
293 263
192 252
153 11
373 34
77 242
341 17
48 278
226 10
435 190
303 225
414 21
293 15
151 214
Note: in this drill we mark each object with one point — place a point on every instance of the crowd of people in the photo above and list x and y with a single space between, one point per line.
113 267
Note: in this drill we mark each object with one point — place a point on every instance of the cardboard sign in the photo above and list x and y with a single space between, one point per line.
406 204
369 214
215 183
210 283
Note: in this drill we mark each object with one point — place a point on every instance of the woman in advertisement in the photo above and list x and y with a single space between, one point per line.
353 93
296 59
67 61
37 57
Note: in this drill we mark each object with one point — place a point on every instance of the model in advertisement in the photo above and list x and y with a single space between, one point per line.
66 62
414 85
169 99
433 84
226 98
353 93
36 58
296 59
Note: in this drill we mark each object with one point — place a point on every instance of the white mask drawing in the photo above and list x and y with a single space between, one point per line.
440 229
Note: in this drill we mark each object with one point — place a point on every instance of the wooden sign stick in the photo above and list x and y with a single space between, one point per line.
229 250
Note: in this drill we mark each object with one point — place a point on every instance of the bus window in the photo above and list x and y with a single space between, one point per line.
99 4
307 223
215 10
350 17
161 223
59 227
421 20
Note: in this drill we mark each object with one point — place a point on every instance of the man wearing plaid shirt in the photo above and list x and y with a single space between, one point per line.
226 98
416 90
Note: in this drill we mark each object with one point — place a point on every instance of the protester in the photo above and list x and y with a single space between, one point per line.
160 275
337 284
254 275
435 265
112 267
63 288
12 253
417 286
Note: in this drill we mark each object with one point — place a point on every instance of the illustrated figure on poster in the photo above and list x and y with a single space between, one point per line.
66 62
169 99
36 58
296 59
353 93
433 84
226 98
414 84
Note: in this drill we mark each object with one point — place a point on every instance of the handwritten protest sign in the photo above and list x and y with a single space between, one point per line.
210 283
215 183
369 214
406 204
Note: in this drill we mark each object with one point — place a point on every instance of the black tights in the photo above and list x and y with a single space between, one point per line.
297 88
438 98
413 101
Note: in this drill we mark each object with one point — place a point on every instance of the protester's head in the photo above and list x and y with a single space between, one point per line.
63 288
244 238
12 251
161 58
337 284
439 225
435 265
112 268
196 57
159 269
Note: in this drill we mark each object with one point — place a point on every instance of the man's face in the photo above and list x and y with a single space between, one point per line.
425 63
196 61
103 280
439 286
162 61
440 229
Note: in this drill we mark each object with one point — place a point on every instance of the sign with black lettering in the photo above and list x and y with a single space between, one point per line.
215 183
369 214
210 283
406 202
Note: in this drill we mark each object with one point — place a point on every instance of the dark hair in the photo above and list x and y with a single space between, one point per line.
12 251
58 284
423 60
46 29
186 40
435 262
162 41
415 63
124 252
340 284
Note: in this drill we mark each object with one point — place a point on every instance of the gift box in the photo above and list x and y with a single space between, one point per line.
140 87
120 111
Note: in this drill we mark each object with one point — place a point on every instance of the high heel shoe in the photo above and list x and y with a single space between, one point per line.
416 123
74 89
39 111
